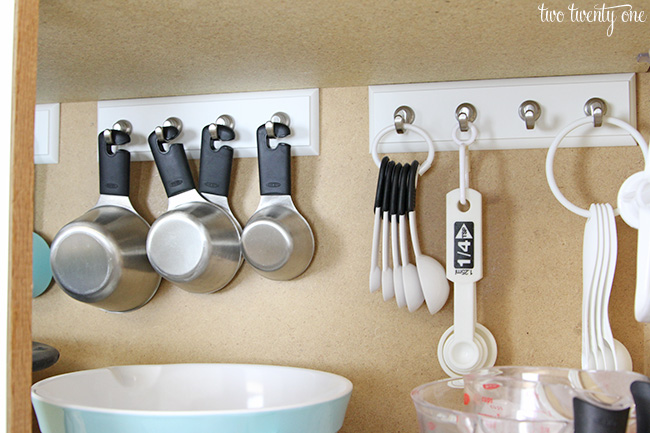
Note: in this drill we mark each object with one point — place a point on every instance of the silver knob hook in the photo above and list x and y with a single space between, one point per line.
122 125
529 111
278 117
403 114
223 120
465 113
173 122
597 108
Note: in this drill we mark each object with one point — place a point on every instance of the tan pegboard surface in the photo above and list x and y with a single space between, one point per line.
530 297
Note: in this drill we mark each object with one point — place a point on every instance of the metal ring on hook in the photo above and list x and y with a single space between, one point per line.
552 149
381 134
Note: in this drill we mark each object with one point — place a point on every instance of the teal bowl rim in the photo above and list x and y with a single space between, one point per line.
345 393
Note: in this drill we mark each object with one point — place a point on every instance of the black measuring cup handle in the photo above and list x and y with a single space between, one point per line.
589 418
172 165
216 164
274 164
114 167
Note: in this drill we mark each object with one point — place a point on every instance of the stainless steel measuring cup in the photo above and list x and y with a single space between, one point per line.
195 244
100 258
277 240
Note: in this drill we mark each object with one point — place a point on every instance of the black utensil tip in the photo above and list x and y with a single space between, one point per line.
388 182
379 194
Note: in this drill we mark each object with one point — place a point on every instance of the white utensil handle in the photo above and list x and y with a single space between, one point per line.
464 312
464 238
394 241
642 297
374 255
413 228
384 241
403 243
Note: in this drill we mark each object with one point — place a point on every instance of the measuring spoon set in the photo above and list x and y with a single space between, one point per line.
600 350
415 283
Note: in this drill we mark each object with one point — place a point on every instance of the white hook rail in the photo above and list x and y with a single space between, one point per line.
497 104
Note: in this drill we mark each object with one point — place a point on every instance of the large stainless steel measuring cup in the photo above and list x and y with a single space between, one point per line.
277 241
100 257
195 244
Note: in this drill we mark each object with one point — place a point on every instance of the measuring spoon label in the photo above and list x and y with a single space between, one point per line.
464 237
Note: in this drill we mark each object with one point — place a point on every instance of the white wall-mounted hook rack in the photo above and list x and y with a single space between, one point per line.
249 109
562 100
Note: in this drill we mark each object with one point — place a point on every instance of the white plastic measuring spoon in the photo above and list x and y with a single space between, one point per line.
604 361
589 264
398 280
599 363
467 345
387 288
412 289
610 250
634 205
431 273
375 271
622 358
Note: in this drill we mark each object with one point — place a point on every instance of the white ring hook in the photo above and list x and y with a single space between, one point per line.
463 157
425 165
552 149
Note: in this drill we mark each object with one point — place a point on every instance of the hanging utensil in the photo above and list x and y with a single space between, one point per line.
387 287
467 345
194 244
433 279
412 289
100 257
398 279
375 271
277 240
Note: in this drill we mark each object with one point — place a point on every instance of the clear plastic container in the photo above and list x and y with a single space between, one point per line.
518 399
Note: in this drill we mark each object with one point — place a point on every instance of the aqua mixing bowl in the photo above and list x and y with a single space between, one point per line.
196 398
518 399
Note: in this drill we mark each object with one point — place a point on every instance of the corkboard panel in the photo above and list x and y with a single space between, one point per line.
530 296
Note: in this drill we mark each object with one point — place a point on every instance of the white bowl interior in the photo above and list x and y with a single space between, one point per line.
192 388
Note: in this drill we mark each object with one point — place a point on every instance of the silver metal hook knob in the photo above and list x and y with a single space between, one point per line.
173 122
403 114
223 120
597 108
122 125
530 111
278 117
465 113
